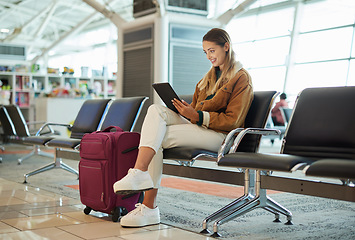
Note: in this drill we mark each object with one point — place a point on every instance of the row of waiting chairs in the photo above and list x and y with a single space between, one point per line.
319 140
257 118
95 114
16 129
255 121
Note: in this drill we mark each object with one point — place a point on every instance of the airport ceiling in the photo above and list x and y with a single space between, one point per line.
38 24
41 24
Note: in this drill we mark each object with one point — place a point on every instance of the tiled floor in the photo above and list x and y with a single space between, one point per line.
32 213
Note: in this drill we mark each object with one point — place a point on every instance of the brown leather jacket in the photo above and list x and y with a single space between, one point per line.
228 108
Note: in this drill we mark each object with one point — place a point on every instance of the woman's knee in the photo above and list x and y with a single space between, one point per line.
155 107
157 110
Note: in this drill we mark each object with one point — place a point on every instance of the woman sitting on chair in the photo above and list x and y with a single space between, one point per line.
220 103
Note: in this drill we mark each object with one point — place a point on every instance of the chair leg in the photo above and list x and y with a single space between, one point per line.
56 164
243 209
273 205
277 215
36 151
246 197
261 200
39 170
66 167
2 149
230 207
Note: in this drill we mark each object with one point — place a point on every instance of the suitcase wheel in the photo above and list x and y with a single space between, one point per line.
116 214
121 211
87 210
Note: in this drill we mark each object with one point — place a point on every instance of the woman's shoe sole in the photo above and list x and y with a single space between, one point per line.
128 192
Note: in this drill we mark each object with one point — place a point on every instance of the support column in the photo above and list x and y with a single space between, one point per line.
119 75
290 62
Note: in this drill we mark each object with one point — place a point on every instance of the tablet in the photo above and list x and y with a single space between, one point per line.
166 93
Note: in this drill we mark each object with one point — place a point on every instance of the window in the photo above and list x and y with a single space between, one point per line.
323 49
95 56
262 44
327 14
324 45
271 78
262 53
261 26
322 74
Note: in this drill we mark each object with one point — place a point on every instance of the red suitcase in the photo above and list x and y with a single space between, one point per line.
105 157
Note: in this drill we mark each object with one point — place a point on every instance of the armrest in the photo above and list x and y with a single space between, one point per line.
228 141
241 132
48 125
34 131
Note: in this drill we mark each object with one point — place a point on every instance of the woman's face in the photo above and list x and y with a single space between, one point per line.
215 53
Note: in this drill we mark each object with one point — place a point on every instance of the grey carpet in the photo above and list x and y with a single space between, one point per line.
313 218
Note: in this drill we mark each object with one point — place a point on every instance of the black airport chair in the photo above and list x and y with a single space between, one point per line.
87 121
321 127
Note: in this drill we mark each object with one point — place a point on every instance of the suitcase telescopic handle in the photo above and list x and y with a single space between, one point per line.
108 129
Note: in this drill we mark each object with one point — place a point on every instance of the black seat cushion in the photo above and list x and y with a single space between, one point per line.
122 113
322 124
256 117
88 118
185 153
63 143
263 161
86 121
18 120
333 168
37 140
6 122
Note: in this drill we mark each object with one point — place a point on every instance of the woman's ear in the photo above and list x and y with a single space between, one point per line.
226 47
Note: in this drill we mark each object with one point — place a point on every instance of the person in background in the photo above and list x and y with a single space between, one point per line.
276 112
220 103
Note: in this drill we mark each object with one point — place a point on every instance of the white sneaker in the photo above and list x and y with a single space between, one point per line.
135 181
141 216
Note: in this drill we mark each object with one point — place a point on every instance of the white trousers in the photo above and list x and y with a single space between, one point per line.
163 128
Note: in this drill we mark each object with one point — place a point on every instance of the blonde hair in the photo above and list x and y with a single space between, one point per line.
209 81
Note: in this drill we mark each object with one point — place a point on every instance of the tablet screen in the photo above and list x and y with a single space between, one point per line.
166 93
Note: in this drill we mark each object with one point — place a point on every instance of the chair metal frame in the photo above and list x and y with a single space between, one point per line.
253 197
230 144
58 163
36 148
263 180
74 153
22 131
